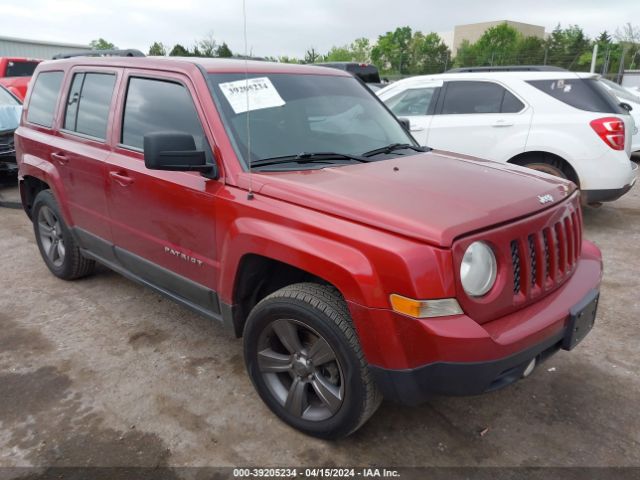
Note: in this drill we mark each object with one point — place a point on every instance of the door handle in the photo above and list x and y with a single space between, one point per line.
121 178
416 128
61 158
503 123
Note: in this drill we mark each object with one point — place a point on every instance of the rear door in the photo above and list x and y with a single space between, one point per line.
81 149
480 118
417 104
163 222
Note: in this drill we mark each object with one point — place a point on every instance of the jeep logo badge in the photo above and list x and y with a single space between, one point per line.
545 198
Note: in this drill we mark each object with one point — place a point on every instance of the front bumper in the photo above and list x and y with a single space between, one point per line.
414 386
414 358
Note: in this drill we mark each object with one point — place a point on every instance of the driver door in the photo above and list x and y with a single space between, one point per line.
163 222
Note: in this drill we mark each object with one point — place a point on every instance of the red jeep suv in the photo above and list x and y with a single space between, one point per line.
287 203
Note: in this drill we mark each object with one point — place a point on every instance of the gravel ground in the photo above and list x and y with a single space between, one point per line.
104 372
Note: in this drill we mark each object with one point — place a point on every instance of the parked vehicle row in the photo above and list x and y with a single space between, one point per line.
562 123
289 204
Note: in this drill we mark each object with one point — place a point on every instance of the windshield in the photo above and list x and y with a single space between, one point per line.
10 110
7 99
292 113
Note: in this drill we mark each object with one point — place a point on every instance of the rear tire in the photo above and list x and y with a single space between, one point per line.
549 164
305 361
57 246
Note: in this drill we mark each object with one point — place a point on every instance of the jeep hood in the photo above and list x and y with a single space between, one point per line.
433 197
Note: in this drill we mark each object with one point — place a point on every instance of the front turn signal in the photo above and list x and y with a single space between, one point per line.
424 308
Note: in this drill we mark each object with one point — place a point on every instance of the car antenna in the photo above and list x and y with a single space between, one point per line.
246 88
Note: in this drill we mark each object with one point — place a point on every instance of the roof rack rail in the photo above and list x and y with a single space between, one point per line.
509 68
129 52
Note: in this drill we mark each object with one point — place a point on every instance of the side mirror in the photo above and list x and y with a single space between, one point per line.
405 123
626 106
174 151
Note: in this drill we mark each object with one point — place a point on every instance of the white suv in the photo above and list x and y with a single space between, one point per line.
562 123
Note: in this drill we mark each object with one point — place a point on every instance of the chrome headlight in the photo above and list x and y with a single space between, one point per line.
478 269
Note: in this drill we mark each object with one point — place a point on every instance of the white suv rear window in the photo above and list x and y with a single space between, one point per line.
584 94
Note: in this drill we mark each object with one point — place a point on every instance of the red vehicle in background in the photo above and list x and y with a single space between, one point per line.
15 74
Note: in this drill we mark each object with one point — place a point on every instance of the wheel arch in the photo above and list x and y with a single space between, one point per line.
260 258
35 176
544 156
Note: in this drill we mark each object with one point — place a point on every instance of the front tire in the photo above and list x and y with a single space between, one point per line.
305 361
59 250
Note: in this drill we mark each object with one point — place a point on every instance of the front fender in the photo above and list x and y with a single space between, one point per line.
348 269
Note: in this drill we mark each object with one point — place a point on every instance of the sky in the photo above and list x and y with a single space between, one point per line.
286 27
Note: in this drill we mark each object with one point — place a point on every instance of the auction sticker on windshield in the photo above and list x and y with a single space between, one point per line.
251 94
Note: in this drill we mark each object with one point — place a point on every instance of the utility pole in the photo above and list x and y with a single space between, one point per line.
621 67
594 57
605 65
546 51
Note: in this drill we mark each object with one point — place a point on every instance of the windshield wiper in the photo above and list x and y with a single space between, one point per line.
308 157
393 147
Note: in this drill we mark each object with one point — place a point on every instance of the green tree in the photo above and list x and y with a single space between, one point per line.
361 50
339 54
604 38
312 56
101 44
206 47
529 51
287 59
179 51
629 39
157 49
497 45
428 54
392 52
466 55
566 46
224 51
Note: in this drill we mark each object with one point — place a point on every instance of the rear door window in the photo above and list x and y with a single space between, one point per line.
478 97
44 98
88 104
584 94
158 106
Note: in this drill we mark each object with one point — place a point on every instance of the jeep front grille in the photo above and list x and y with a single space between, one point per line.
544 259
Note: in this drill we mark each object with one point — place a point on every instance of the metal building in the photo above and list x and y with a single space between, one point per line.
21 47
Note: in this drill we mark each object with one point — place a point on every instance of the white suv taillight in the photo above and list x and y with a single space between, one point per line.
610 130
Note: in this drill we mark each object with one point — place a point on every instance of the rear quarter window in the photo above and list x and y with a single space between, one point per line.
583 94
44 98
